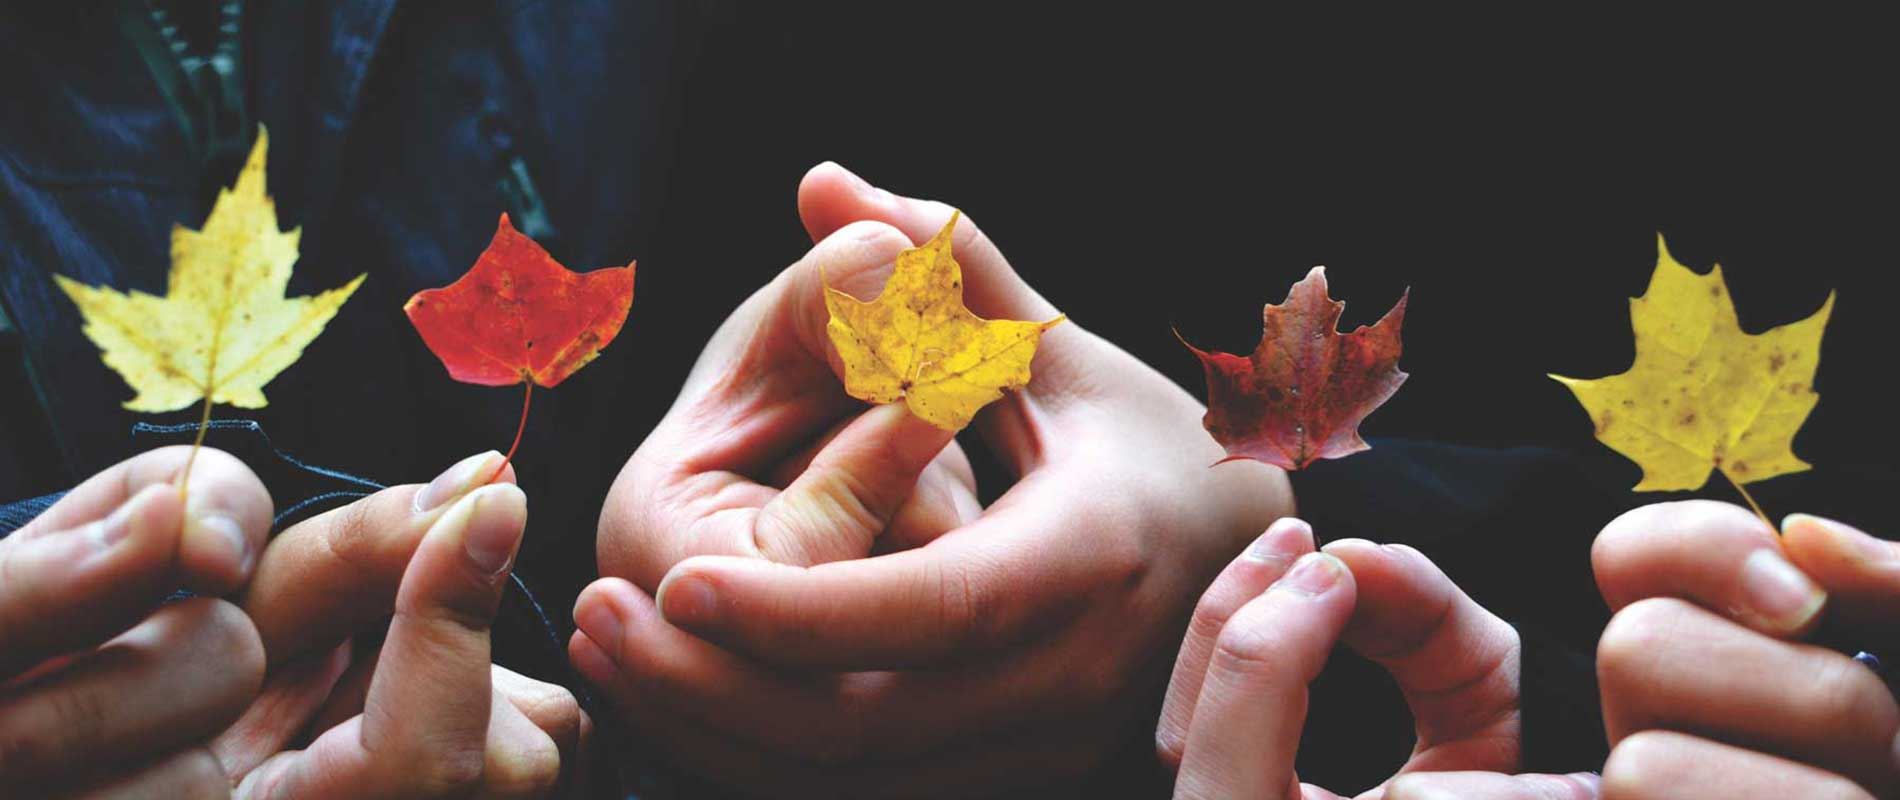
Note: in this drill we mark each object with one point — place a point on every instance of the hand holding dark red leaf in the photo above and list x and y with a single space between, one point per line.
518 316
1303 392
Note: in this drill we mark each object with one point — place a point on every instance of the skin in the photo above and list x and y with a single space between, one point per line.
1261 633
1707 689
836 611
201 698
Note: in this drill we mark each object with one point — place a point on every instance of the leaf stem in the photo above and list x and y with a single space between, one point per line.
204 424
1749 497
520 429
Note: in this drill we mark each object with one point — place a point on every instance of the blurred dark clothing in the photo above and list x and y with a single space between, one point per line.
1122 166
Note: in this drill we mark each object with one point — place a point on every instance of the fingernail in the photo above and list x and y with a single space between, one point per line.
599 622
1313 574
1777 592
1592 783
119 524
221 534
456 481
1284 541
1845 538
688 601
491 538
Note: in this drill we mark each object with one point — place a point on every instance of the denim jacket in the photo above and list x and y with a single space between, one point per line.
398 133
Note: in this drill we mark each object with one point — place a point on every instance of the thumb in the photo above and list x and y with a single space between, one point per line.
831 197
836 508
1860 572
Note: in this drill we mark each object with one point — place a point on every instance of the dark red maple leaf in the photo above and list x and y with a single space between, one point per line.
518 316
1303 392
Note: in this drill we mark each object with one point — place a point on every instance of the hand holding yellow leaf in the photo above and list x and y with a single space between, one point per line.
1702 394
224 327
917 342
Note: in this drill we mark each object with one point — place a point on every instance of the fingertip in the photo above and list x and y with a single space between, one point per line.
1350 549
461 564
1820 542
829 196
599 612
1316 574
1286 539
591 660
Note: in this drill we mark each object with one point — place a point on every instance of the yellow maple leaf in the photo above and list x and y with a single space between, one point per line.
1703 395
224 327
918 343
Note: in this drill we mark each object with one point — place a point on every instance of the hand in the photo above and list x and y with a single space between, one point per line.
1707 691
1236 705
425 715
981 648
103 689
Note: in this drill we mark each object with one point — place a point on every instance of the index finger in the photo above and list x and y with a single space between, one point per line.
983 586
328 577
1252 707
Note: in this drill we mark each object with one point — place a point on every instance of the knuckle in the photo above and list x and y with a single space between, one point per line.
1849 696
227 631
1207 620
1635 637
554 709
446 772
968 610
351 534
957 603
1245 649
532 771
200 776
12 614
215 631
1641 761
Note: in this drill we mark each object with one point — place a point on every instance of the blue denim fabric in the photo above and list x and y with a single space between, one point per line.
394 128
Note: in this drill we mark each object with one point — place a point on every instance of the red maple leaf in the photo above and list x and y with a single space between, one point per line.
1303 392
518 316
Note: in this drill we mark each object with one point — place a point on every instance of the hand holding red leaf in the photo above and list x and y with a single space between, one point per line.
1303 392
518 316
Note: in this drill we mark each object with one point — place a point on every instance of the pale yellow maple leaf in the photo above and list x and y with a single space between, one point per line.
918 343
1703 395
224 327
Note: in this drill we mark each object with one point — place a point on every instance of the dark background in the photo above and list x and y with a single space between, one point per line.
1182 164
1185 165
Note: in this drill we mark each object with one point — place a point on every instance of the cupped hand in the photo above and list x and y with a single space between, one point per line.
836 610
